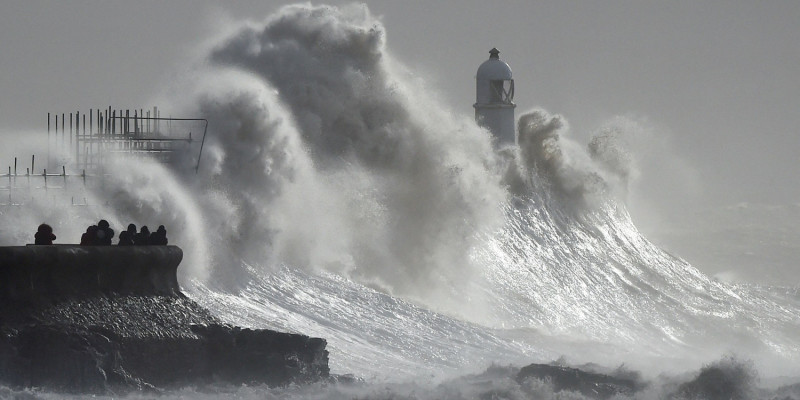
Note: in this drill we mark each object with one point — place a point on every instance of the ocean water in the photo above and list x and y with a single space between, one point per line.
337 198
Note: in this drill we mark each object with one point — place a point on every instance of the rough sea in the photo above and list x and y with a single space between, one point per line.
337 198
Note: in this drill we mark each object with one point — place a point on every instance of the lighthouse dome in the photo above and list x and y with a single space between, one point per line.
493 69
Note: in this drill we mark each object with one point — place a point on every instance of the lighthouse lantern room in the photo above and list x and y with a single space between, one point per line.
494 100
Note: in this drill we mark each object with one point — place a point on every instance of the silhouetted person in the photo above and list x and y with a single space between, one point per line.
89 238
143 237
159 237
126 237
104 233
44 235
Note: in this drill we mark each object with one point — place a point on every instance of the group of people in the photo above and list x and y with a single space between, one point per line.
131 238
102 234
98 235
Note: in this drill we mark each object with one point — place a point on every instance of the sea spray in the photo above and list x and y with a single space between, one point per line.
322 158
333 162
644 169
332 191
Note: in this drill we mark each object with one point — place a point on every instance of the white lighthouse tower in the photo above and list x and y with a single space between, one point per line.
494 100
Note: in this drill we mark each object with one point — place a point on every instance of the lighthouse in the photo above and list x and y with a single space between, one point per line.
494 100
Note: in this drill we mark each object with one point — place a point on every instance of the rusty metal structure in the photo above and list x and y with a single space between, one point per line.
80 144
126 133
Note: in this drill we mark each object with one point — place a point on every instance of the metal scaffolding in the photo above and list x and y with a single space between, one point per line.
126 134
77 152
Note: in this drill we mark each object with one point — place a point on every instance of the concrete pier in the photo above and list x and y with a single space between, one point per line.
58 271
100 319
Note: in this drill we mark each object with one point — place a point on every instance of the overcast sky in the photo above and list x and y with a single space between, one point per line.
717 79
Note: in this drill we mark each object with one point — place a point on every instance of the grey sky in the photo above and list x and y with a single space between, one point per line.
719 78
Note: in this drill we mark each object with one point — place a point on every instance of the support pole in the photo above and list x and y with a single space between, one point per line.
48 139
77 132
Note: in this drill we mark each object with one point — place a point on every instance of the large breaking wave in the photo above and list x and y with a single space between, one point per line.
336 197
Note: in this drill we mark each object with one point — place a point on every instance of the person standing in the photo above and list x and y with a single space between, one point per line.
143 237
126 237
104 233
44 235
159 237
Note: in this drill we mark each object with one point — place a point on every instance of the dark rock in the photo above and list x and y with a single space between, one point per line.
590 384
727 379
249 356
110 318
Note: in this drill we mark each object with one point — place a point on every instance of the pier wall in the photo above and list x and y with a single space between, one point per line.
59 271
111 319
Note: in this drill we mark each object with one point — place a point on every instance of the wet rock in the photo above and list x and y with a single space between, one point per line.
727 379
589 384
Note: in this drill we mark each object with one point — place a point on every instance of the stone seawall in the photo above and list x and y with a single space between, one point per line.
93 319
56 271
